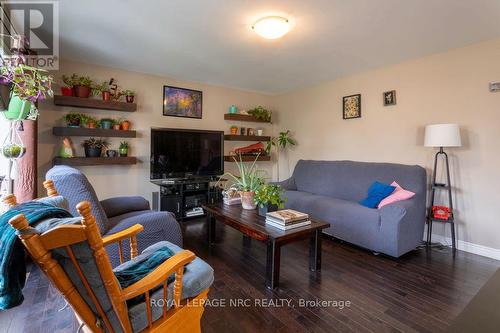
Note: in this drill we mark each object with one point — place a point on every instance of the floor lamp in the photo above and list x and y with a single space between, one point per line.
441 136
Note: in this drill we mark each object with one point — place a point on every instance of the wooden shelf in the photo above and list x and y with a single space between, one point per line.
247 158
93 103
243 117
232 137
85 161
83 131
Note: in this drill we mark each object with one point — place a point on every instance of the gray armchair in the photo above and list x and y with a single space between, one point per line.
116 214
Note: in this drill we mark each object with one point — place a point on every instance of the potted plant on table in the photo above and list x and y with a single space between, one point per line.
73 119
27 85
93 147
269 198
247 182
129 95
123 149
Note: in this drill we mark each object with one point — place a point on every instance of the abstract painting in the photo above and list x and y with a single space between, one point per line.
181 102
352 106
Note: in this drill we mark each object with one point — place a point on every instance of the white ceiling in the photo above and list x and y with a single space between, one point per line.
211 40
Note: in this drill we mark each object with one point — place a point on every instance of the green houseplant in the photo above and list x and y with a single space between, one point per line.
283 141
123 149
82 85
103 89
249 180
260 113
93 147
129 95
269 198
27 85
73 119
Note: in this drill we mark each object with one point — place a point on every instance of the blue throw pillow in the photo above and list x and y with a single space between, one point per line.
376 193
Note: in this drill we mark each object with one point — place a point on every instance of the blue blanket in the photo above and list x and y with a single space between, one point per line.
12 263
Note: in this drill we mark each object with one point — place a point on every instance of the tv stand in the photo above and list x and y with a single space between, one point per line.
184 197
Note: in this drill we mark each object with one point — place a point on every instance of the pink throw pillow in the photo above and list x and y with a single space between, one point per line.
399 194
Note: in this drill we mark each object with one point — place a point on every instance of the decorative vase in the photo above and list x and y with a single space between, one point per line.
247 200
92 151
266 209
67 91
233 109
129 99
123 152
19 109
125 125
106 96
82 91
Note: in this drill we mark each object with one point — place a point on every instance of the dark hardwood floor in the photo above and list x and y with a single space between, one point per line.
421 292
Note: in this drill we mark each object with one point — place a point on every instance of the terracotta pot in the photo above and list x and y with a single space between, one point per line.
106 96
116 127
91 125
82 91
126 125
67 91
234 130
129 99
247 200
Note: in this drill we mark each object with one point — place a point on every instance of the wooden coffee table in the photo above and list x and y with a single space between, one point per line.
252 225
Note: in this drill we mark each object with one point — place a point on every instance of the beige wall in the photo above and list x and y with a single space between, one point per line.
450 87
134 180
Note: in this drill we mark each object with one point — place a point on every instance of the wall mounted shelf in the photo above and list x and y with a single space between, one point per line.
243 117
96 132
248 158
87 161
92 103
232 137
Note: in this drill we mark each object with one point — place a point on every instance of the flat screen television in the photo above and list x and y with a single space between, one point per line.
181 153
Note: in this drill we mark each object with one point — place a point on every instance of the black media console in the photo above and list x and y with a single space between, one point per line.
184 197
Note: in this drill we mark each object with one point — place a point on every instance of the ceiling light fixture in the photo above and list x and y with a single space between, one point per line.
272 27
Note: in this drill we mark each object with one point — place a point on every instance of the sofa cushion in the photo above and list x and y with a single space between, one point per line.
399 194
348 219
198 276
376 193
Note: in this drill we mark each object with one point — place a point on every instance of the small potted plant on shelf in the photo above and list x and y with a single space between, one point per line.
123 149
269 198
73 119
67 89
234 130
106 123
104 90
82 85
260 113
117 125
89 121
125 124
249 180
129 95
93 147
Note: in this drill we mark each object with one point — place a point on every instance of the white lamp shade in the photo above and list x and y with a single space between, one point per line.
442 135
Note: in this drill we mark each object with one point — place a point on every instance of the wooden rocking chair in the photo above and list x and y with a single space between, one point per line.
101 305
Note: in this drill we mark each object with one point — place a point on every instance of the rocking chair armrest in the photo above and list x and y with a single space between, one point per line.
159 275
124 234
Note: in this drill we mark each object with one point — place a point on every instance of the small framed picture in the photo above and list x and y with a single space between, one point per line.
251 131
390 98
351 106
182 102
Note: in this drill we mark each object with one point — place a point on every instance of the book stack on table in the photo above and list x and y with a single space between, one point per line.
287 219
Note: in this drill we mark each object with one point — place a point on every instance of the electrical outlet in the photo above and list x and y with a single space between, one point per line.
494 86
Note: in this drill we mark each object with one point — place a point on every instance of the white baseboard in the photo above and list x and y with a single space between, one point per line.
467 247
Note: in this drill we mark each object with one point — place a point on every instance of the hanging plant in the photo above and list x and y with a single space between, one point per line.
28 85
12 146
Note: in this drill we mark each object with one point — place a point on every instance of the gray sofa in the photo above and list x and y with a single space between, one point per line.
116 214
330 191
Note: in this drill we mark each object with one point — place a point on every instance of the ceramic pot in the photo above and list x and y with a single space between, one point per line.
129 99
106 124
247 200
82 91
234 130
18 109
106 96
91 125
67 91
125 125
123 152
92 151
266 209
116 127
233 109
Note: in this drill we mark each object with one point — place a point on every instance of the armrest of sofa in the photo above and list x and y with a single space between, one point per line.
405 222
287 185
122 205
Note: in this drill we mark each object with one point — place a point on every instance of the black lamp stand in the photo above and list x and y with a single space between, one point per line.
435 186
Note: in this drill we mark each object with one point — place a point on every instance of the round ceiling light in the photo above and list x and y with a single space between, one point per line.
272 27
